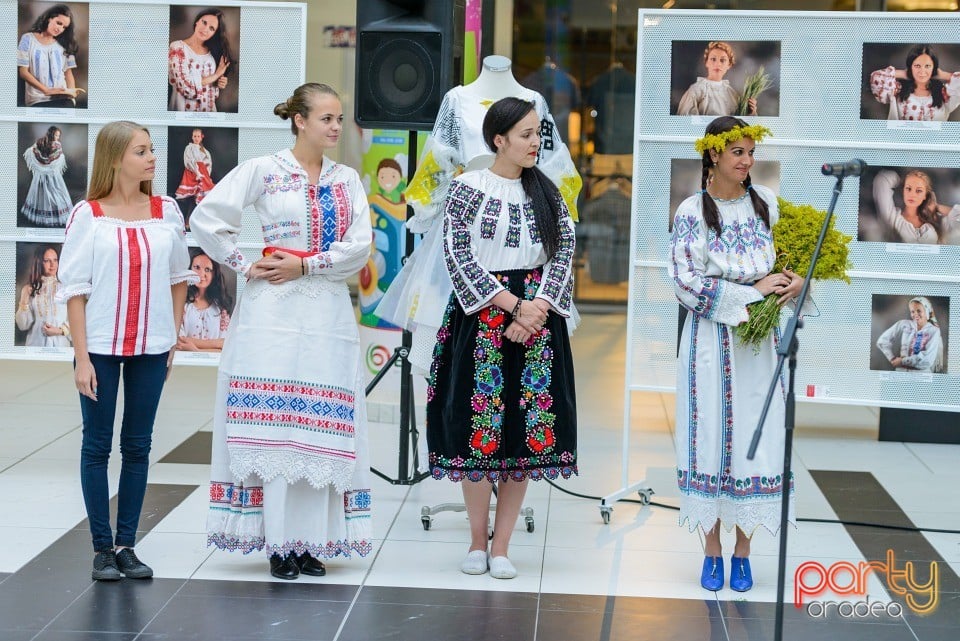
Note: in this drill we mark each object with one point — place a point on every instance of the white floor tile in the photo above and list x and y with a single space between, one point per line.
173 555
20 544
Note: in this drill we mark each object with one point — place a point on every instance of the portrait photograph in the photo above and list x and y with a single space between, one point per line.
51 172
197 158
40 320
53 50
915 205
209 306
910 81
203 61
686 173
725 78
909 333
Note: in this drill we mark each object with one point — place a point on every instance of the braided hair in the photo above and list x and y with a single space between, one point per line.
711 215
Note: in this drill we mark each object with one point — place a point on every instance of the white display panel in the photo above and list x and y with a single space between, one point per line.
124 54
822 89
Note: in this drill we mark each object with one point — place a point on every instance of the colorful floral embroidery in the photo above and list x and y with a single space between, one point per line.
489 218
273 183
531 219
513 228
296 404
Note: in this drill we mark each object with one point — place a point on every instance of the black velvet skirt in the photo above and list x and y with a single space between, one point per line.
496 409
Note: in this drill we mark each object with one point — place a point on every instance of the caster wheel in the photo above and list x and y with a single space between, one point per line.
645 496
605 514
530 525
426 521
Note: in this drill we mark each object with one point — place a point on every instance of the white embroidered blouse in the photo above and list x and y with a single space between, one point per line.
884 185
709 98
489 227
126 269
714 275
885 86
918 349
330 219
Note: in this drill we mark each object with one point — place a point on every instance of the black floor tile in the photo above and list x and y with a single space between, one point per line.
402 622
935 633
465 598
634 605
615 625
4 576
200 618
196 450
117 606
16 635
293 590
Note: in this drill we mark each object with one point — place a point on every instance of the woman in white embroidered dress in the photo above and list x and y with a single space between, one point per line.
722 255
198 65
921 91
124 272
914 345
38 312
714 95
922 219
196 180
501 405
46 58
290 466
48 201
206 315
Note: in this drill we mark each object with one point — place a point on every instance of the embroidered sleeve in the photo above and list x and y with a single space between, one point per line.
472 284
888 339
215 223
884 184
439 164
188 83
557 284
708 296
883 84
349 254
689 102
952 88
190 157
76 258
924 351
555 160
179 255
24 316
23 51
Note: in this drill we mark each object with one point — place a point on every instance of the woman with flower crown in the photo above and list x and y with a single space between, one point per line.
722 260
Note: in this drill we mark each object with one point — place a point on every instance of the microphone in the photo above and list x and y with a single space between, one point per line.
853 167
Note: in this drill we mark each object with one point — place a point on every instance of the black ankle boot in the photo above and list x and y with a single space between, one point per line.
311 566
284 567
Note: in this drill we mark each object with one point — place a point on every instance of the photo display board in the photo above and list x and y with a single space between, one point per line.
839 87
208 107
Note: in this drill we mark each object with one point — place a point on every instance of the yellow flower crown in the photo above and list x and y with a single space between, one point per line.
719 142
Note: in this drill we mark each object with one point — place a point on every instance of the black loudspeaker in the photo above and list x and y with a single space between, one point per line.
409 54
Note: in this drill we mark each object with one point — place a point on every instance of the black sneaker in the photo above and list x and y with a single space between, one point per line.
131 566
105 566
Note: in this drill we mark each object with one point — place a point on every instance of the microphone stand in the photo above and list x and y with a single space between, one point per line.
788 349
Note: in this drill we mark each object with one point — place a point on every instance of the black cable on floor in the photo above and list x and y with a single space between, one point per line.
884 526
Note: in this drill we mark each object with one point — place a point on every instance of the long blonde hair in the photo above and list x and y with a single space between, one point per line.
112 142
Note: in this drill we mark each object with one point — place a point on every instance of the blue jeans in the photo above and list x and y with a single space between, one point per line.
143 378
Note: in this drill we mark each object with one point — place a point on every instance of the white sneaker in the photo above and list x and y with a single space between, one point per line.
502 568
475 563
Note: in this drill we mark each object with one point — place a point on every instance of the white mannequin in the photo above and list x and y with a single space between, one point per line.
496 81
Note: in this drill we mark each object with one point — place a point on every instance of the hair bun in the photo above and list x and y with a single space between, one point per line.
282 110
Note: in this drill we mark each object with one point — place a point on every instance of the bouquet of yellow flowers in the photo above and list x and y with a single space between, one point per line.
794 238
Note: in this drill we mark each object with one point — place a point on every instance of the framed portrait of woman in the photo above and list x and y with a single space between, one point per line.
910 205
725 78
909 333
203 60
40 320
51 172
53 50
209 306
198 157
910 81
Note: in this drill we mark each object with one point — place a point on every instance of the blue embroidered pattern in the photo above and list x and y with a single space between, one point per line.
290 404
274 183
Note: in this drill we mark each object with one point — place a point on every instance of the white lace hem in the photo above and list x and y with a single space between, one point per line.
309 286
292 466
748 515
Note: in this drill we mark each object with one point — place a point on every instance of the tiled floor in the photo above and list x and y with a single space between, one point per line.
634 579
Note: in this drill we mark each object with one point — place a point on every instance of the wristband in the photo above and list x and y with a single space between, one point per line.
303 267
516 308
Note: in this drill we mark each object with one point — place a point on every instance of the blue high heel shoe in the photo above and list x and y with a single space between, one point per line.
711 577
741 578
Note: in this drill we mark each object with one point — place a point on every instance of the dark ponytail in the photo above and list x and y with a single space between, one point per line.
502 116
711 215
